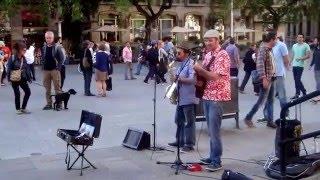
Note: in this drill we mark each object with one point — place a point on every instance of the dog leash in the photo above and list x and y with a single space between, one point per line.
37 83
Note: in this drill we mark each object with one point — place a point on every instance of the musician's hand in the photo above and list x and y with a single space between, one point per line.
197 67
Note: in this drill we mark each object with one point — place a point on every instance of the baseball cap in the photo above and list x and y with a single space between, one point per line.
212 33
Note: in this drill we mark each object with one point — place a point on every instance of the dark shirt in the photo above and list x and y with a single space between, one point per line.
102 61
249 64
316 59
87 53
152 56
14 64
49 61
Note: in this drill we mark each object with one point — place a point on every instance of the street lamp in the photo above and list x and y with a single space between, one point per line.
231 25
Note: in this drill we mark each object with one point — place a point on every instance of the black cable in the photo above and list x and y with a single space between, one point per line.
199 140
199 176
240 160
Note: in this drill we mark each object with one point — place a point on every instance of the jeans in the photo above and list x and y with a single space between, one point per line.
153 71
32 71
87 75
25 87
267 96
317 78
280 89
234 72
297 74
213 113
139 67
245 80
128 68
186 128
4 73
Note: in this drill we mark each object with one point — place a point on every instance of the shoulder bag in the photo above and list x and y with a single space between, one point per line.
85 62
15 75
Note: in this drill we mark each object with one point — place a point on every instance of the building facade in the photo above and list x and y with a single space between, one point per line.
191 14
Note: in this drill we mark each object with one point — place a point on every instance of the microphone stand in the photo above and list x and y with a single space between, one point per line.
154 147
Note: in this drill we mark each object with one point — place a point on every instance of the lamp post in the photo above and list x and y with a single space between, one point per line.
231 25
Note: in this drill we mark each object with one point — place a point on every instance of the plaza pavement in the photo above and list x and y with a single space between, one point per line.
29 148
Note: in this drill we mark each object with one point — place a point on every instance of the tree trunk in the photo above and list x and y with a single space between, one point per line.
275 23
148 30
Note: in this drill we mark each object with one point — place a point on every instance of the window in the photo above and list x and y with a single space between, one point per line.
137 28
166 24
196 2
110 20
308 28
289 29
193 22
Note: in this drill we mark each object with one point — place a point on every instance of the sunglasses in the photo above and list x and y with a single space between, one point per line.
179 52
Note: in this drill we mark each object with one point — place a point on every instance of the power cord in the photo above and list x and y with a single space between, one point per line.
234 159
199 176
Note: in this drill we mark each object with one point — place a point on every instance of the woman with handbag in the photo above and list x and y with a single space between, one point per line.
101 67
19 74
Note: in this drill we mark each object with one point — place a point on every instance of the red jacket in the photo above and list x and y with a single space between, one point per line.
7 53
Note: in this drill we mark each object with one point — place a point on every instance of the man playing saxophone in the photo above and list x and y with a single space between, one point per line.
186 102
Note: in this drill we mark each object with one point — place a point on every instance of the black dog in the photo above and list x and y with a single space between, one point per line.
64 96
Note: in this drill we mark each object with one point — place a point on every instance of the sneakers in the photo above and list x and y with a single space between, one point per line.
249 123
262 120
19 112
174 144
47 107
295 97
241 91
187 149
145 81
272 125
89 94
214 167
205 161
24 111
133 78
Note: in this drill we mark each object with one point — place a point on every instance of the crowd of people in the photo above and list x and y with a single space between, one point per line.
266 62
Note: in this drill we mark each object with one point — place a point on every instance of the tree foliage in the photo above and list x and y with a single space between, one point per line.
273 12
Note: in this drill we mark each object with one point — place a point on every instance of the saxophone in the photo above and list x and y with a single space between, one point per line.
172 91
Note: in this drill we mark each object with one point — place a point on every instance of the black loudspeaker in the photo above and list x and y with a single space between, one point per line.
136 139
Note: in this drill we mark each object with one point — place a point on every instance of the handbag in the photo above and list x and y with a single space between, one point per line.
15 75
85 62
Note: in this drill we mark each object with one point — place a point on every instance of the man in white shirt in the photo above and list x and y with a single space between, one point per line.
30 60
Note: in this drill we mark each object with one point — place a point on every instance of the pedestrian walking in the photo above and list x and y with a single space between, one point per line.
266 69
233 53
249 66
316 64
300 54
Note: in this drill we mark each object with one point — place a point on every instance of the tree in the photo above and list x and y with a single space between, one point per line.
273 12
145 8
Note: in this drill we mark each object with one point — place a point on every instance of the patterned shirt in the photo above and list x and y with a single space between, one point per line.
265 62
218 90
